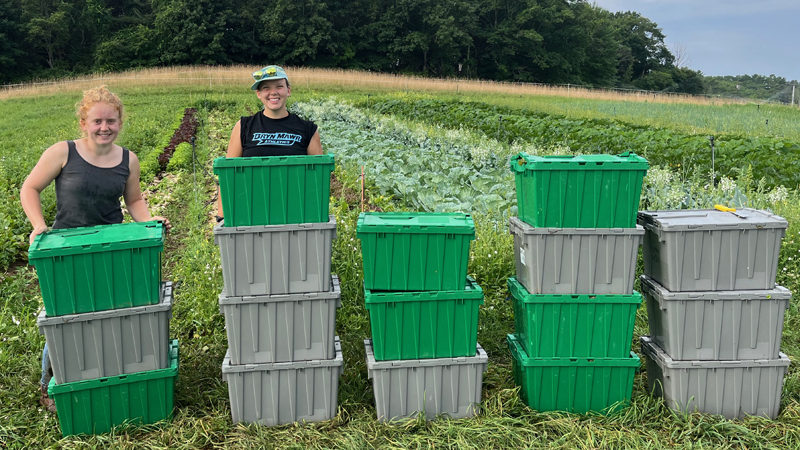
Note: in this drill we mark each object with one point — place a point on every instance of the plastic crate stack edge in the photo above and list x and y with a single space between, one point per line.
575 247
714 311
423 312
106 323
279 298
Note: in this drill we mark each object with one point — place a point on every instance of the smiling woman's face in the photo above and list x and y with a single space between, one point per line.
102 123
273 94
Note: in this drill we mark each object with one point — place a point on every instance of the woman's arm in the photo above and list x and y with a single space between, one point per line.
315 144
235 141
46 170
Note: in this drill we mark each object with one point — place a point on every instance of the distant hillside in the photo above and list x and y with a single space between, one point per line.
761 87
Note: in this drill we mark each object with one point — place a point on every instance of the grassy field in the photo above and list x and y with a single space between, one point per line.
31 119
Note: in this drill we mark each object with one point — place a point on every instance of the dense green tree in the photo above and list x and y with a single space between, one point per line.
354 36
504 40
61 35
131 47
243 41
556 41
642 48
688 81
598 63
13 63
558 56
427 36
47 27
126 13
192 31
295 31
656 80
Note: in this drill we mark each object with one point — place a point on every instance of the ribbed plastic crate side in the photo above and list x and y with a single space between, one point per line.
709 260
716 325
275 194
734 389
577 325
576 260
271 260
294 328
281 393
424 329
577 385
403 389
575 330
414 261
107 343
579 198
97 281
96 406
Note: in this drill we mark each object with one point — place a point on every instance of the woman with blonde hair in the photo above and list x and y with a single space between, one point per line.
90 175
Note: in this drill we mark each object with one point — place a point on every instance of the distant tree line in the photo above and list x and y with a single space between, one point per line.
763 87
548 41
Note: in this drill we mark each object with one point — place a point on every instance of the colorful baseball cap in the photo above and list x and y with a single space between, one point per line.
268 73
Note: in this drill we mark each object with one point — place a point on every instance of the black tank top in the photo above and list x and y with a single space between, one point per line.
88 195
262 136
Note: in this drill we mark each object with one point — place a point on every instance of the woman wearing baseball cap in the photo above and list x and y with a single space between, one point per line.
274 131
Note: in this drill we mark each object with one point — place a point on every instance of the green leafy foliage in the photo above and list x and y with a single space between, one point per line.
426 169
150 165
182 158
770 157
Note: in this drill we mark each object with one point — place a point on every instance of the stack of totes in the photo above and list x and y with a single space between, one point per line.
106 322
714 311
423 357
575 248
279 297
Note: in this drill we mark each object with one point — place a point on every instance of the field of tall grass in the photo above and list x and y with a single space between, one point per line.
458 167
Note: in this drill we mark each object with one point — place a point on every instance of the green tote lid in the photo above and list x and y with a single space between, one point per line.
261 161
624 161
73 241
415 222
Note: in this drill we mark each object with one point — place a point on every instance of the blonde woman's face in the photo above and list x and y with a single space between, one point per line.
102 124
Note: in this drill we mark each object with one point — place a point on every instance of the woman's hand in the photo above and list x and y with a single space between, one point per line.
165 221
37 231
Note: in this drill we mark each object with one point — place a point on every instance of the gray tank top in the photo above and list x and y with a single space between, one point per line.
88 195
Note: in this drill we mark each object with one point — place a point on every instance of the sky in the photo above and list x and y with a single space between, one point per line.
726 37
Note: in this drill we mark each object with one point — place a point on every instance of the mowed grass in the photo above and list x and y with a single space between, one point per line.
202 414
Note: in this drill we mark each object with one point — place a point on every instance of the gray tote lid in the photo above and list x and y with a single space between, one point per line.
709 219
